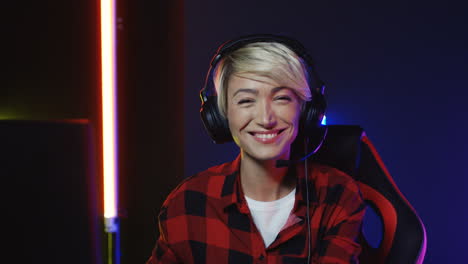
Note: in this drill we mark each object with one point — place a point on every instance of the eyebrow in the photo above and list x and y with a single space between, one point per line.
255 91
276 89
245 90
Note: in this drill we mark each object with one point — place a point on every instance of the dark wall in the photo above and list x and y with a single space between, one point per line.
152 118
398 69
50 60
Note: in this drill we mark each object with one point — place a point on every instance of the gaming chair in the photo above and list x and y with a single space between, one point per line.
348 149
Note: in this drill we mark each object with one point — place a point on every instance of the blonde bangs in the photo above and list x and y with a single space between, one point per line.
272 60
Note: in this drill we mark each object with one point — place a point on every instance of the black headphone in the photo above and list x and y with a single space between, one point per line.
313 111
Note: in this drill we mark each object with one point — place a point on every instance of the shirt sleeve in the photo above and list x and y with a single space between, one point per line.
162 253
339 242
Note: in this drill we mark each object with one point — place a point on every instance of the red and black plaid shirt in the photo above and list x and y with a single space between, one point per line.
206 220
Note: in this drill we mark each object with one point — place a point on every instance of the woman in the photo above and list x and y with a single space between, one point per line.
252 209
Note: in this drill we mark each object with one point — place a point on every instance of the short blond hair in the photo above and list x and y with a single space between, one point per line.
266 59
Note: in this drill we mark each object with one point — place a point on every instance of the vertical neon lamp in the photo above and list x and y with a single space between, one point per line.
109 127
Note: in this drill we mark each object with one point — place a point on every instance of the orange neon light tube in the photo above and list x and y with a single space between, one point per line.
109 107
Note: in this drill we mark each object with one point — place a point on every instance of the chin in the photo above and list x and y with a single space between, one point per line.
267 155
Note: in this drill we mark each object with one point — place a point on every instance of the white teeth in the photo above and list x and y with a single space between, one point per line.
265 136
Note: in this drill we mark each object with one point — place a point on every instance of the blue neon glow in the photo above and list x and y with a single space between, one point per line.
324 120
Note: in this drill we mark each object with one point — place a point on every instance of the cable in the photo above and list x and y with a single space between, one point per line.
286 163
306 142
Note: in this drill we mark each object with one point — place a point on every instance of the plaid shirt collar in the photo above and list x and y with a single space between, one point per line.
233 196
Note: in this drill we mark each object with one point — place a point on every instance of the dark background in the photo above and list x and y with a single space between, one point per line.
399 69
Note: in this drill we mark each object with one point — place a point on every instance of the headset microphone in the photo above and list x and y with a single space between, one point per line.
288 163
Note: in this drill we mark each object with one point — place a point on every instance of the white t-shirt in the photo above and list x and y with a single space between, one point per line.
270 217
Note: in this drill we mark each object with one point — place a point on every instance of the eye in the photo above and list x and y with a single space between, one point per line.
245 101
285 98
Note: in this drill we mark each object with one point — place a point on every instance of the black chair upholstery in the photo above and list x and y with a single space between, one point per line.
348 149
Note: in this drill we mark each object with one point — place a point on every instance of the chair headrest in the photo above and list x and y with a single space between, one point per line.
340 148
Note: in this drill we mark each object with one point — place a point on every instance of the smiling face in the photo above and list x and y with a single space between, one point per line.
263 116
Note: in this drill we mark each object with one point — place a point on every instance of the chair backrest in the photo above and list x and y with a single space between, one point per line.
348 149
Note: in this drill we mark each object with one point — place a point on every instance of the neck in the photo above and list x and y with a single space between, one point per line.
263 181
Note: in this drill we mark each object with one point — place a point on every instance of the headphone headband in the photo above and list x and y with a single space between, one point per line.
234 44
231 45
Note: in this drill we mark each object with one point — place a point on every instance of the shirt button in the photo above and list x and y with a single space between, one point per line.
261 257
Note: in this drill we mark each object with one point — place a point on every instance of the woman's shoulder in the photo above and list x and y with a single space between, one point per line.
332 175
329 180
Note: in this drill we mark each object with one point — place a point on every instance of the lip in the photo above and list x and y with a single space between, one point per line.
267 137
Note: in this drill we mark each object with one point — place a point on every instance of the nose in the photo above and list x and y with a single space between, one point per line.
266 116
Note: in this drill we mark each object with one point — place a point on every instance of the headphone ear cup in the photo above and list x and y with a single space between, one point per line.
215 124
310 126
312 114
